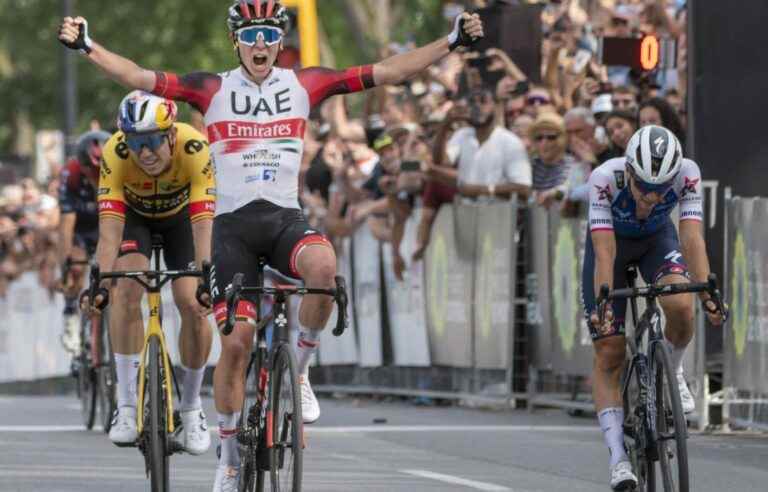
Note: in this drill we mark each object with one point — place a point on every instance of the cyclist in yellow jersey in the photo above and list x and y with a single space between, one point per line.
156 177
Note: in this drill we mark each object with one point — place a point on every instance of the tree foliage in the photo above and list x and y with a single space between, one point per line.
177 35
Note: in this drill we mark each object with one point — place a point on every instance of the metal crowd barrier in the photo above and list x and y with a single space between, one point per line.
745 387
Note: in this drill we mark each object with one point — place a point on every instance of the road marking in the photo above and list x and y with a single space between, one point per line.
449 428
45 428
363 429
458 480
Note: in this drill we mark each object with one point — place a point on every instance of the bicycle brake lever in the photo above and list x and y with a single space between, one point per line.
342 320
233 299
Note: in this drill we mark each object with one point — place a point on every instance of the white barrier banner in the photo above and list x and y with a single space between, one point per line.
405 302
341 350
29 333
367 285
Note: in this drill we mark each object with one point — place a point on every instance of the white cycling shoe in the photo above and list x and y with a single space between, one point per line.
310 408
123 431
70 336
622 477
227 479
193 435
686 398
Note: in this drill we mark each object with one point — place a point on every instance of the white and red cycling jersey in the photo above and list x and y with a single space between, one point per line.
256 131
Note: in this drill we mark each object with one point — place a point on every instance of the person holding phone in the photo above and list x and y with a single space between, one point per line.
492 161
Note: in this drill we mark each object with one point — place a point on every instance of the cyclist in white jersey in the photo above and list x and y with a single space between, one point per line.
256 116
630 202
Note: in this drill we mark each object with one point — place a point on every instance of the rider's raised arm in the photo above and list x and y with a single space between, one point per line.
73 33
396 69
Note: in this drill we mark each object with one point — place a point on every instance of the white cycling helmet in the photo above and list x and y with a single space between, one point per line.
654 157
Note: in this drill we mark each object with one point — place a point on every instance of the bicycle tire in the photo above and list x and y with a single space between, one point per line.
156 433
107 379
251 477
285 400
672 441
635 429
86 380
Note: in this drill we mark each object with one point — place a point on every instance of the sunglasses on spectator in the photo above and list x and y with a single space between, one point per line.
250 35
622 103
136 141
549 137
537 100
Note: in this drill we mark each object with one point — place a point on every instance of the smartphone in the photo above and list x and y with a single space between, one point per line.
580 61
410 166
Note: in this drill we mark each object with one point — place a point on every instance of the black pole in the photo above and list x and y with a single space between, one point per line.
69 87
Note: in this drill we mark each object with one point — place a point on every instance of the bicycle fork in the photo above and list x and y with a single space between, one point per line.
155 330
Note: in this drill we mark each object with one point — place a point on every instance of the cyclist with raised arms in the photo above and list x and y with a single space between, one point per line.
79 225
156 178
631 199
256 116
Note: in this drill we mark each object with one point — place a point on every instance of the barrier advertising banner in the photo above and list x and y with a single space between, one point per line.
448 295
405 302
495 268
366 289
746 333
341 350
29 334
571 342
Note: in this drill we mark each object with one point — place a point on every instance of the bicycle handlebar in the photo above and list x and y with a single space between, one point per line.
161 276
655 290
235 290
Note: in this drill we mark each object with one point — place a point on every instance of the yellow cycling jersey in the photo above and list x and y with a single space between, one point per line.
188 181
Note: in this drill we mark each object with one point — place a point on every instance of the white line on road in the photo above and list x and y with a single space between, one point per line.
458 480
450 428
355 429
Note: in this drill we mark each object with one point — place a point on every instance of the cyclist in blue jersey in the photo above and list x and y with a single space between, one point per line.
79 225
631 199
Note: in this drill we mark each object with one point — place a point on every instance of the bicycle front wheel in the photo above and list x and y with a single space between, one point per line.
87 383
107 379
155 420
670 424
286 423
251 473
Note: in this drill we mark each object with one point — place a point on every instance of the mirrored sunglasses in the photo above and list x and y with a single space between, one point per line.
152 141
250 35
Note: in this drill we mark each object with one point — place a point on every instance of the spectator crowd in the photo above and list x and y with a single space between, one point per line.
474 128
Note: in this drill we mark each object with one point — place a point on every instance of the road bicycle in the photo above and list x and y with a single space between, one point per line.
94 365
156 419
654 422
270 430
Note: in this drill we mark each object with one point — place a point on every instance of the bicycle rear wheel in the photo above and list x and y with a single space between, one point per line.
155 430
107 378
670 424
251 477
286 422
87 383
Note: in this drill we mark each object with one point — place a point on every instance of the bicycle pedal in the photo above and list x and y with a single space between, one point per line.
134 444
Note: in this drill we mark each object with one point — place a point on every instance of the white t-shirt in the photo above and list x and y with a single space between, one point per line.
501 159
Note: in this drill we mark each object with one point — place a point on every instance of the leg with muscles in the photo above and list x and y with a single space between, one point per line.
194 346
316 264
127 334
606 375
228 389
678 332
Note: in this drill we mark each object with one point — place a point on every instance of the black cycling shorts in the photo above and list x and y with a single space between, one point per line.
87 241
657 256
258 229
178 246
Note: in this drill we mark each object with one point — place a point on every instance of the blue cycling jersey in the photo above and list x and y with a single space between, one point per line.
612 207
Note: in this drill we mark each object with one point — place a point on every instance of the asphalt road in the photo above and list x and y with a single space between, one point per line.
44 448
